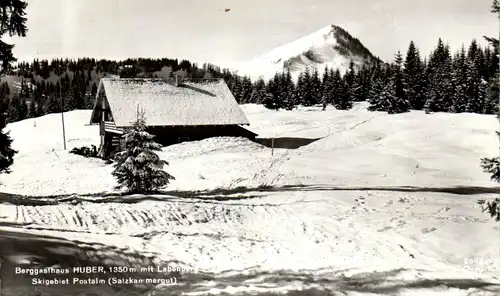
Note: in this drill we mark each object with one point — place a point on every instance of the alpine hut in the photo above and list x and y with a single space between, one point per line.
175 110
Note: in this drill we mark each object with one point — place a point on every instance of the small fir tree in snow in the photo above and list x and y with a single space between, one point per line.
138 168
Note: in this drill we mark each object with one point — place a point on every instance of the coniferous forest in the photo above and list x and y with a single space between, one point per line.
462 81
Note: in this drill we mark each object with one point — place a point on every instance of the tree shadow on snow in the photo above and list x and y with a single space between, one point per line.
459 190
226 194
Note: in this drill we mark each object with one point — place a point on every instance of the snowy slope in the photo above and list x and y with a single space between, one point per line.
375 207
330 46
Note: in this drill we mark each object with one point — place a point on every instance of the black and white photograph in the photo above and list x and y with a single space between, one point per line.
231 147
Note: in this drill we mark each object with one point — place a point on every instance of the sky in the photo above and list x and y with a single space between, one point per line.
201 31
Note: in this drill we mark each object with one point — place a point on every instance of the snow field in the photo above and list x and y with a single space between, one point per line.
377 198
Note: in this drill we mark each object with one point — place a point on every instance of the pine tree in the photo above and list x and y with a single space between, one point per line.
258 92
440 87
13 23
138 168
289 91
12 110
245 90
343 98
70 97
401 103
350 74
375 95
6 152
475 87
235 88
414 77
306 90
315 88
392 98
326 87
459 81
273 100
363 79
492 94
22 108
337 87
303 89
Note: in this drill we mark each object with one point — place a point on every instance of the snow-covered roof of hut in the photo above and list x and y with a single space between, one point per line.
192 102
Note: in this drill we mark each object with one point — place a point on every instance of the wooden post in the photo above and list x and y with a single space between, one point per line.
62 116
272 146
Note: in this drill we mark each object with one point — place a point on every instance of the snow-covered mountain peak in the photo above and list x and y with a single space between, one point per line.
330 46
317 39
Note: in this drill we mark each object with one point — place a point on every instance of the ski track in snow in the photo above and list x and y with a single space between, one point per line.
230 231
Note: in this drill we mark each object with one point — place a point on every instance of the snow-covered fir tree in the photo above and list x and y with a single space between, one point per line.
245 90
236 88
440 87
414 77
138 168
343 96
390 97
475 87
363 79
258 91
289 91
315 89
337 89
375 96
303 89
459 81
6 152
326 87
